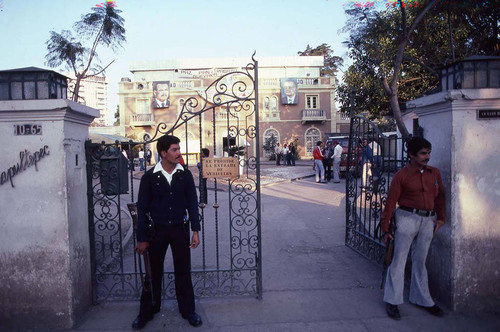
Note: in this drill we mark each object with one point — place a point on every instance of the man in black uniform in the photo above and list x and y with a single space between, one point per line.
167 192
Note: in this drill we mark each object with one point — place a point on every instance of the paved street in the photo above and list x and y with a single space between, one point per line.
311 280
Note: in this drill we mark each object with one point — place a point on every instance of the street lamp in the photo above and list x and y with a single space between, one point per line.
476 72
32 83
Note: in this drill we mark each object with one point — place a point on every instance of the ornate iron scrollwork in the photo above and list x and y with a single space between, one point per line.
367 183
230 237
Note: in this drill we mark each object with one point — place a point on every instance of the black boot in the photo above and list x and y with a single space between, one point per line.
140 322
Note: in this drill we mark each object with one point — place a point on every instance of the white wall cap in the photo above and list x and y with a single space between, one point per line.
47 104
453 95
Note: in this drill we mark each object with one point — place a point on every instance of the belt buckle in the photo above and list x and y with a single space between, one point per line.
424 213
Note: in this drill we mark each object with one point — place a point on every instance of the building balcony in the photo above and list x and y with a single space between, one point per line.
313 115
142 120
222 116
342 118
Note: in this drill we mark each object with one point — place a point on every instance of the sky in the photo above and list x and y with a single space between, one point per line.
171 29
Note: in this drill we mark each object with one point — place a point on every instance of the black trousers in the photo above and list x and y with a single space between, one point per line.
328 170
177 236
203 191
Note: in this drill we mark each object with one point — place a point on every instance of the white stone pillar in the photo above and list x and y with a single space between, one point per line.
44 237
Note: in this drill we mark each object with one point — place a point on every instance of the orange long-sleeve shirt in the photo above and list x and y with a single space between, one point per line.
419 190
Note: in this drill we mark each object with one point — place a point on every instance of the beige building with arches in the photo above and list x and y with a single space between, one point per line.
305 120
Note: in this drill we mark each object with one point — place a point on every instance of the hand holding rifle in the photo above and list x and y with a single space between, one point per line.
141 247
388 237
389 250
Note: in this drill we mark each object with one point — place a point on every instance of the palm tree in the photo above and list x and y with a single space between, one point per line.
103 26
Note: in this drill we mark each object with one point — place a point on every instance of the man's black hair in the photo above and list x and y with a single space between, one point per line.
165 141
416 144
318 143
205 152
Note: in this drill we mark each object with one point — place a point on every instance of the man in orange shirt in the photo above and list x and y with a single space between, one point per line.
418 190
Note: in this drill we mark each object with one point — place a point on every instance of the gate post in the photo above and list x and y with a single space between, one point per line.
44 242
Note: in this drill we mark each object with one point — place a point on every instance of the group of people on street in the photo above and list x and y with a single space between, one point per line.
167 195
285 154
326 156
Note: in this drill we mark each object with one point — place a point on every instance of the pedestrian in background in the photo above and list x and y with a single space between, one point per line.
284 152
328 160
292 151
142 166
148 156
277 152
419 192
337 157
318 163
366 162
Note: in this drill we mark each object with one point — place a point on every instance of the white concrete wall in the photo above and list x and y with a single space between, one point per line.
44 244
464 261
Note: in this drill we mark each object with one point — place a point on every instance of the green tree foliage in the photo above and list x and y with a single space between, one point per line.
397 52
117 116
331 62
102 27
269 145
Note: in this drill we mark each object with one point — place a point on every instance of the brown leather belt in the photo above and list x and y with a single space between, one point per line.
423 213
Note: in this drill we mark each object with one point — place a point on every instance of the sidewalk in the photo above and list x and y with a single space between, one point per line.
270 173
311 280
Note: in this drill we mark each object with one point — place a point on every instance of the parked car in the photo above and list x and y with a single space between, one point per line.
355 164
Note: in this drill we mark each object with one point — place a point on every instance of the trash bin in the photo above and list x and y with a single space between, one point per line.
114 174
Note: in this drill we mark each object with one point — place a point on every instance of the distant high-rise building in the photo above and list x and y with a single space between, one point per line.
94 93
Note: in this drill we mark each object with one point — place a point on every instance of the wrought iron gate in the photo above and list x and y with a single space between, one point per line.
373 159
225 117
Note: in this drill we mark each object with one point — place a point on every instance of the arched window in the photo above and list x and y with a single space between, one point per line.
265 114
266 104
312 136
271 137
275 112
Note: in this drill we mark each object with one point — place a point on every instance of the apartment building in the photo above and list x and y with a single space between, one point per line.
94 93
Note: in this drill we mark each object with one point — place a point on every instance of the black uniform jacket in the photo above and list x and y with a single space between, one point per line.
167 203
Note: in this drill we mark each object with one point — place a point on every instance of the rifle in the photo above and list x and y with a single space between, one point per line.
147 283
389 252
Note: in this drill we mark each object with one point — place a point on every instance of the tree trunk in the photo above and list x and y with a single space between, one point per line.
398 117
392 89
76 90
392 94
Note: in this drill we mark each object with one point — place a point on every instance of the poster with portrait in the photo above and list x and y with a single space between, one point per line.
161 94
289 91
